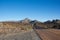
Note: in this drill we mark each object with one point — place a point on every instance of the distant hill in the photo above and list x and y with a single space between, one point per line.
14 27
26 20
27 24
53 24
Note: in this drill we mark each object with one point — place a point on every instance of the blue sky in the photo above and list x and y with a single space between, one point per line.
41 10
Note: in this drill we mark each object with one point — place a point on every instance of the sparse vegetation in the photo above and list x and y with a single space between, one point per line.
13 27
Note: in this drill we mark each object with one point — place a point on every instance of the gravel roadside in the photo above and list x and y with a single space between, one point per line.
31 35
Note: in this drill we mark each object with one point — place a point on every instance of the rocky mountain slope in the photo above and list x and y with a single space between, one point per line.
27 24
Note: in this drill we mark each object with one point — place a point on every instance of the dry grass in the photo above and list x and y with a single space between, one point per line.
13 27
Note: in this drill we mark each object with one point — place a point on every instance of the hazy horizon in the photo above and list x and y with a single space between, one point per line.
41 10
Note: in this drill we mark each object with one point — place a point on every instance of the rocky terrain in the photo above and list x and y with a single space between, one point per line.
54 24
30 30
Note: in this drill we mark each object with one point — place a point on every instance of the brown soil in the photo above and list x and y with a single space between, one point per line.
49 34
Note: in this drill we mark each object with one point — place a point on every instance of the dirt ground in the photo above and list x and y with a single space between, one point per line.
49 34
